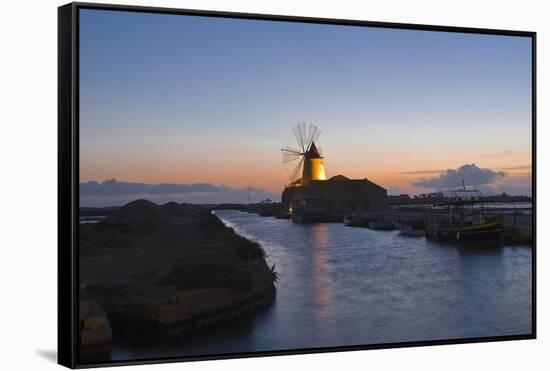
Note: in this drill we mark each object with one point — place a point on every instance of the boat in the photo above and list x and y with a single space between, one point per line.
354 221
312 210
304 215
381 225
415 228
464 219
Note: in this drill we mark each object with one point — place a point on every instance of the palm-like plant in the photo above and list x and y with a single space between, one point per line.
274 275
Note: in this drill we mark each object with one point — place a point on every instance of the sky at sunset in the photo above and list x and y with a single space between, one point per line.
189 100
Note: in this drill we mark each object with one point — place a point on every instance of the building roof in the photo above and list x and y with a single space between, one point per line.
313 152
339 177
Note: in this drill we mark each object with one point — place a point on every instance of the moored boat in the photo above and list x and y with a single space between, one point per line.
480 229
303 215
381 225
465 220
414 228
354 221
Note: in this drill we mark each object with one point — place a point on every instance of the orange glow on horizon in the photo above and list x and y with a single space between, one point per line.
239 170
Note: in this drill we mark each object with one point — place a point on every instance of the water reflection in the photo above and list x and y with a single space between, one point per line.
320 274
348 286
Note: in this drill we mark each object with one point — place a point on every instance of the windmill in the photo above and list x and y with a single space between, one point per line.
310 160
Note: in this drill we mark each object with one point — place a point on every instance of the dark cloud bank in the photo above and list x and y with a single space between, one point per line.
452 178
486 180
113 192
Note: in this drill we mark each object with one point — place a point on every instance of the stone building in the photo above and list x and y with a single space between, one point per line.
312 194
335 195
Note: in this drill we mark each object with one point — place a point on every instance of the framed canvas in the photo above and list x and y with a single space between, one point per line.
203 215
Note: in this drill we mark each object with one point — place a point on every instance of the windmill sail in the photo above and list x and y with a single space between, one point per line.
310 160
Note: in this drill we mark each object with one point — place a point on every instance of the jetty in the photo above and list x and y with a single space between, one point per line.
517 222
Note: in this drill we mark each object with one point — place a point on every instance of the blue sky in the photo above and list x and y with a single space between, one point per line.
187 99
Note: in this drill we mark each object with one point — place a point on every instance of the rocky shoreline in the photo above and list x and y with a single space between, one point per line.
171 269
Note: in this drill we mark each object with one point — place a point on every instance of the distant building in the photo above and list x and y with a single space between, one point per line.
335 195
313 193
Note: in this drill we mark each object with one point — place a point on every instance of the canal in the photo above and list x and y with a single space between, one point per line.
353 286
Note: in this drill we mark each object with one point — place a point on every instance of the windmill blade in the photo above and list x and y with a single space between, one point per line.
289 157
291 150
297 135
296 174
309 135
303 134
290 154
315 135
297 171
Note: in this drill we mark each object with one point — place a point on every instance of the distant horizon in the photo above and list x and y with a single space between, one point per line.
229 203
186 100
118 197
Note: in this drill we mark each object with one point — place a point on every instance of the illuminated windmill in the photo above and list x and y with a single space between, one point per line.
310 160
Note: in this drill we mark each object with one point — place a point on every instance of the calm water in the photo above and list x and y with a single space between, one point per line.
350 286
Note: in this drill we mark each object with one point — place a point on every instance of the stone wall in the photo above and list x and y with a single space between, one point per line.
339 195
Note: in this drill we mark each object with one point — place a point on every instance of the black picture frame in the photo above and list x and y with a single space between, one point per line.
68 177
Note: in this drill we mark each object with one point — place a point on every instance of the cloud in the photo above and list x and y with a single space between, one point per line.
452 178
521 185
113 187
112 192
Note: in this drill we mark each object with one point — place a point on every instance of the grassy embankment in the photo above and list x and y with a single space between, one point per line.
171 264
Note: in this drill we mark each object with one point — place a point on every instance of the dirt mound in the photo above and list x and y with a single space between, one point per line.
139 212
183 210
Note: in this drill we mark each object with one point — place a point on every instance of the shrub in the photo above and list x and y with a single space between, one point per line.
210 276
